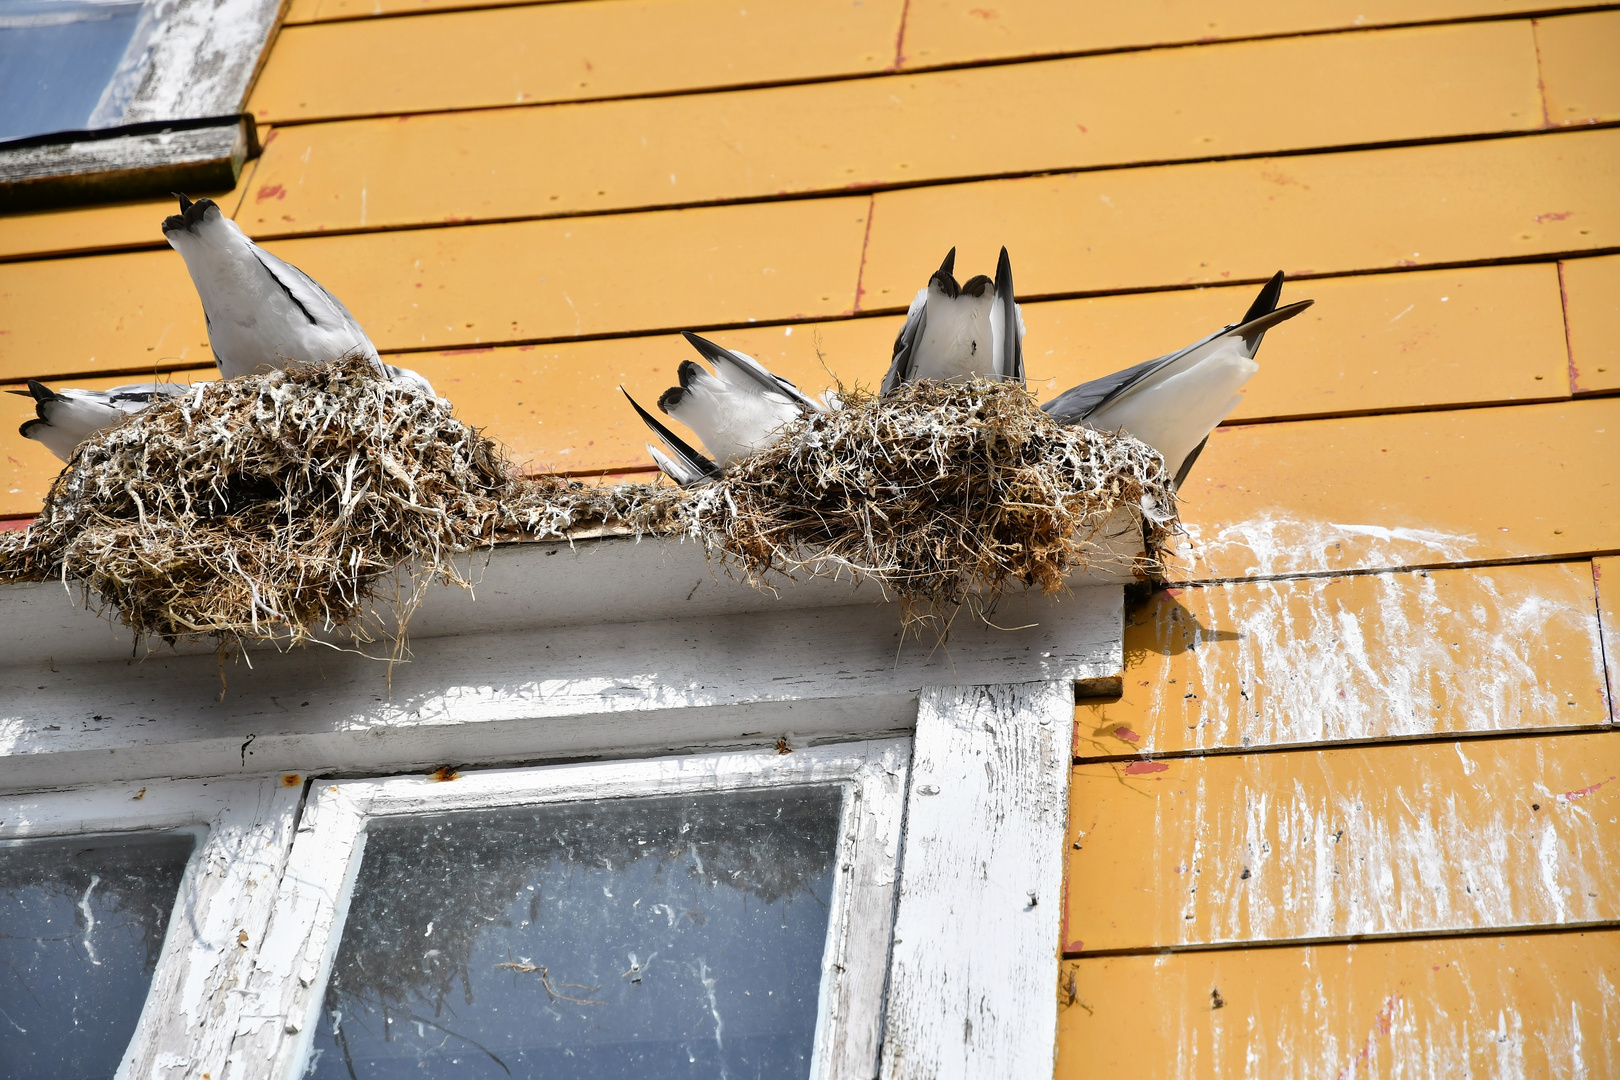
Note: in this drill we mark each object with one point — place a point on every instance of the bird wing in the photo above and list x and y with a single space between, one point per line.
1076 404
905 343
1010 351
691 467
320 307
757 373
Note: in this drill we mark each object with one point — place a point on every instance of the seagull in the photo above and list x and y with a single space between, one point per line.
738 409
681 464
263 313
1174 402
958 331
67 417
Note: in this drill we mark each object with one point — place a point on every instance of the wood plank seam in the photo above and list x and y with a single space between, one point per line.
1449 736
1350 939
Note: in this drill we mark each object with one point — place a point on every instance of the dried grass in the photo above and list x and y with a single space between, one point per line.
274 507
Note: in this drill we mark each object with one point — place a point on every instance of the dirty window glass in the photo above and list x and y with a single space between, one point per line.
57 61
81 926
658 937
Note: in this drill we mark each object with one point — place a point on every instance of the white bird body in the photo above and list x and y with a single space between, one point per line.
263 313
66 417
738 409
1174 402
960 331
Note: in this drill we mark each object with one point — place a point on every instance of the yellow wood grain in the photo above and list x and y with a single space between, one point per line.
1592 312
1371 657
1418 489
1209 222
455 287
1527 1005
565 52
1071 114
1607 574
961 31
26 467
1580 77
101 227
1372 342
1320 844
308 11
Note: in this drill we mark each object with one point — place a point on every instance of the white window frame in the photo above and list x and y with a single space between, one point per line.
284 996
244 831
171 119
643 655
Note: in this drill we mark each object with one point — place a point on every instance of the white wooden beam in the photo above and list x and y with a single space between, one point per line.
974 968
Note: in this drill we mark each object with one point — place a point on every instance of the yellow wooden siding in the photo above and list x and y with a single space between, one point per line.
1580 75
1319 844
962 31
1418 489
1592 311
1375 342
825 137
1539 1005
565 52
1415 654
1213 221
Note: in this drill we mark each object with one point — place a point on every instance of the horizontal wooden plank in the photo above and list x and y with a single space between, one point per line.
1072 114
1243 220
962 31
1607 574
455 287
1580 79
308 11
1321 844
1377 656
103 227
1413 490
1372 342
565 52
1519 1006
1592 314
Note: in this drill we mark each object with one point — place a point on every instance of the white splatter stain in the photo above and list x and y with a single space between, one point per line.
1274 545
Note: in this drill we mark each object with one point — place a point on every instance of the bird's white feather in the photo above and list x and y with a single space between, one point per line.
74 414
733 416
957 341
1175 408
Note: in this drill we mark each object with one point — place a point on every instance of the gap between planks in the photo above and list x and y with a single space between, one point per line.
1538 929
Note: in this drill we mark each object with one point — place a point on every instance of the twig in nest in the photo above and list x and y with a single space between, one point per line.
530 969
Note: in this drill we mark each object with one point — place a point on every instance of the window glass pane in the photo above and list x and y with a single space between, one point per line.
56 59
660 937
81 925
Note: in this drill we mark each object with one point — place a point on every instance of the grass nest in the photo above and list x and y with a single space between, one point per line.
278 507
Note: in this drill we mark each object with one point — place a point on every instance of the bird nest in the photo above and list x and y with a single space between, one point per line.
279 507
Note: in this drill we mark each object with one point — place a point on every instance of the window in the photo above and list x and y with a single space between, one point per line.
103 99
780 840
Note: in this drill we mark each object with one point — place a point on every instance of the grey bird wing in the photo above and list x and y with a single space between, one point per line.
905 343
320 307
768 381
1010 364
1074 405
690 467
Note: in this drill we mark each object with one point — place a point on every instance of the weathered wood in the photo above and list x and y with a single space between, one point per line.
1607 574
223 906
1416 490
1240 220
1592 313
1373 657
539 667
976 925
284 991
1086 113
198 160
1529 1006
1325 844
201 62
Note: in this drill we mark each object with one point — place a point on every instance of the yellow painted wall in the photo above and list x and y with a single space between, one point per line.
1354 811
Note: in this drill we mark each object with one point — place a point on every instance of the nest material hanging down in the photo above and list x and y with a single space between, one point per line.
274 507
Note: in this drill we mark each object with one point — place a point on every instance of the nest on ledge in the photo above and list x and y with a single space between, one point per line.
278 507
